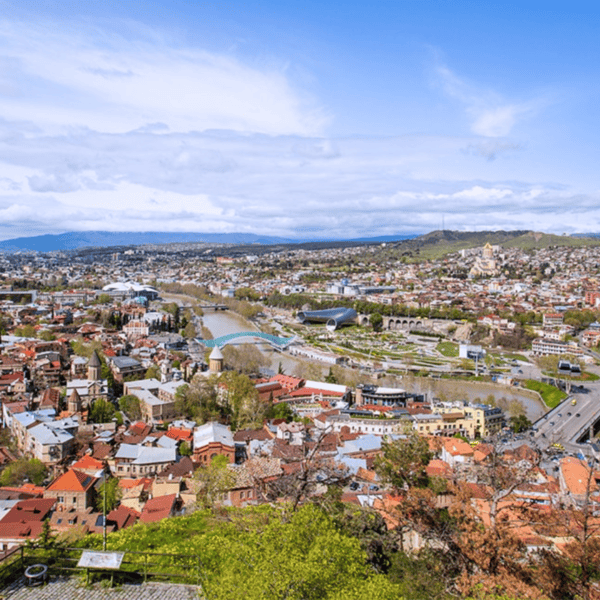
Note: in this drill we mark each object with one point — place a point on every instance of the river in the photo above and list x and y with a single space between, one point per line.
224 322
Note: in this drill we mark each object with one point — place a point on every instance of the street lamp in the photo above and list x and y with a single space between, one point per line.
104 512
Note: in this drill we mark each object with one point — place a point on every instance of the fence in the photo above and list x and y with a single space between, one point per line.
135 567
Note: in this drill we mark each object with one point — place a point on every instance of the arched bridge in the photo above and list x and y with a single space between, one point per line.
279 343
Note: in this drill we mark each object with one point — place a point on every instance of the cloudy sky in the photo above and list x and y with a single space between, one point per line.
321 119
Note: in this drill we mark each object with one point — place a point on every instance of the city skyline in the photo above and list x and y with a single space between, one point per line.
336 121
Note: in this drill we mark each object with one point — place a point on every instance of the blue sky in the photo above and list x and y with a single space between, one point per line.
308 118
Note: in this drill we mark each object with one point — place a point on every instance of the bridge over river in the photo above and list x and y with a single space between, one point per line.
279 343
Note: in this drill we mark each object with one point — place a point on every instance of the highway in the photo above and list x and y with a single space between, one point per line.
569 424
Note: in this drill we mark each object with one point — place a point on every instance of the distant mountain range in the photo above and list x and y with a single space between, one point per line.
74 240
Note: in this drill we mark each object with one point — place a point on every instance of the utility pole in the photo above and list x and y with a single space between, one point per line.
104 514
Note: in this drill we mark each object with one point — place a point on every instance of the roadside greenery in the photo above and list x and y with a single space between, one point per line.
551 395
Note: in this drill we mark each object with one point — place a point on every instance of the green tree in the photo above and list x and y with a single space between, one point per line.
403 461
214 480
17 472
520 423
198 400
185 449
131 406
247 410
25 331
376 321
280 410
113 494
102 411
46 335
153 372
330 377
303 558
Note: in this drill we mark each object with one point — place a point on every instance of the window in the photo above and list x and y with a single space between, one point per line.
60 499
74 499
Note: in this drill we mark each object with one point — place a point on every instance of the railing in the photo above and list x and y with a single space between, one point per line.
136 566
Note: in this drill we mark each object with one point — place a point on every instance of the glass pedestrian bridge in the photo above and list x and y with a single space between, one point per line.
280 343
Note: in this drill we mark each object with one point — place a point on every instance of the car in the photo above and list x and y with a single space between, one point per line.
354 486
373 488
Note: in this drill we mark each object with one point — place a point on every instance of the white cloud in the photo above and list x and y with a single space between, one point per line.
82 76
490 114
104 133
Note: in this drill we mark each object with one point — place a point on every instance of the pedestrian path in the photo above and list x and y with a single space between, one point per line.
73 589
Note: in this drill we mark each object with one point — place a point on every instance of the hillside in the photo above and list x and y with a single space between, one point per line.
439 243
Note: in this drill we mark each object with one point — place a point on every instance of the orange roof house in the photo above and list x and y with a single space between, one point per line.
157 509
73 490
576 479
88 465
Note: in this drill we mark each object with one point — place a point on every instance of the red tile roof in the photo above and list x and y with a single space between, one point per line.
180 434
36 509
157 509
88 462
123 516
72 481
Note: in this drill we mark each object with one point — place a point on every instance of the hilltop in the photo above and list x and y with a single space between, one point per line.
430 245
438 243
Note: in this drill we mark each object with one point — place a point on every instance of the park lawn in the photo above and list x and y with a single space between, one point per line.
550 395
448 349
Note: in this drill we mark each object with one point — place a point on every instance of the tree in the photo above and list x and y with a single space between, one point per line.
280 410
331 378
131 406
314 471
376 321
25 331
241 396
214 480
153 372
17 472
304 557
403 461
46 335
189 331
113 495
198 400
520 423
102 411
246 358
185 449
571 573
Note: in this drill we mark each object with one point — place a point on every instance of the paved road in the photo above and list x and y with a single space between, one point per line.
71 589
568 422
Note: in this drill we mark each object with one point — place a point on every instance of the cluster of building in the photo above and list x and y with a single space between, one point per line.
48 391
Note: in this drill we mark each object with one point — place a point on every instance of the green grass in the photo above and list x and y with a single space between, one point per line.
516 357
550 395
587 376
448 349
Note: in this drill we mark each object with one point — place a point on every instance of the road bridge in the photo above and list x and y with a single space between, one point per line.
574 422
214 307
